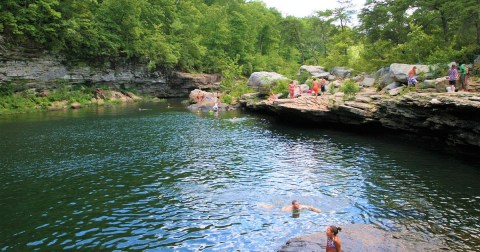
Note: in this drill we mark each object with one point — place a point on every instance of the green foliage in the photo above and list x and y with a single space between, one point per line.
304 76
226 98
27 101
6 88
240 88
239 37
438 70
280 87
331 88
349 88
231 71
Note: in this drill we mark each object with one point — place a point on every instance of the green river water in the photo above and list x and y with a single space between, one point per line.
166 179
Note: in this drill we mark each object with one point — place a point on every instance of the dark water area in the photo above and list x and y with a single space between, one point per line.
164 179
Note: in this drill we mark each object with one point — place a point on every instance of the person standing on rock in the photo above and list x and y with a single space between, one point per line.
411 80
463 76
322 85
333 241
315 87
291 89
452 77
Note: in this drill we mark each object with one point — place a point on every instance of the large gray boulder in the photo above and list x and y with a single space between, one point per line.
264 81
316 71
368 82
400 71
382 72
341 72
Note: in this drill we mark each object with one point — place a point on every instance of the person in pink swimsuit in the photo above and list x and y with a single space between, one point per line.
333 241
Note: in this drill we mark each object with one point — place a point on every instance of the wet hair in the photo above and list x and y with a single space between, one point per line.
294 201
335 229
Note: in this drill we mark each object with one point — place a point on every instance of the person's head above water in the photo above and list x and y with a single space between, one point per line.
295 205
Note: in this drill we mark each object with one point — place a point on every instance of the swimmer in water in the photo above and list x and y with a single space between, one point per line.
295 208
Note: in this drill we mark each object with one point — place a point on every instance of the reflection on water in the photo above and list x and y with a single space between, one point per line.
123 178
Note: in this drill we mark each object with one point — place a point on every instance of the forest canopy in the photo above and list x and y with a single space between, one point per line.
207 35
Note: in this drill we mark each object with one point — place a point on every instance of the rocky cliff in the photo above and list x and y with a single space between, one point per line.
447 120
43 71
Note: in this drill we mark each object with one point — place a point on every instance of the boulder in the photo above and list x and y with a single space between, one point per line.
198 95
341 72
75 105
367 82
304 88
395 91
313 70
393 85
264 81
441 84
400 71
382 72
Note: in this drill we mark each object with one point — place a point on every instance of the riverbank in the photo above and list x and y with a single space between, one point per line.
64 98
448 121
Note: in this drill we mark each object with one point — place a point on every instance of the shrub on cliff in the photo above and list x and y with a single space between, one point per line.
350 89
280 87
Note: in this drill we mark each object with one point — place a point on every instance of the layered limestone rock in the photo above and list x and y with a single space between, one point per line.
452 119
42 71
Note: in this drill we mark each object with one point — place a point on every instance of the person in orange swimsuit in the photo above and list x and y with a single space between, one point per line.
315 87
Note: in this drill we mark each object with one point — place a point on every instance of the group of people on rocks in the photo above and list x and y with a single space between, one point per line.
454 75
318 87
333 240
459 74
200 97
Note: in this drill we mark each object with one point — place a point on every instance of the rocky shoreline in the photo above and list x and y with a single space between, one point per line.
363 237
449 119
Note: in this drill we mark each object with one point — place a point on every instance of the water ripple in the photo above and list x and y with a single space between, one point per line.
173 180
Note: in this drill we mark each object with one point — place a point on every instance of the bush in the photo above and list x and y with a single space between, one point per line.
280 87
331 88
350 89
438 70
226 98
6 89
304 76
239 89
